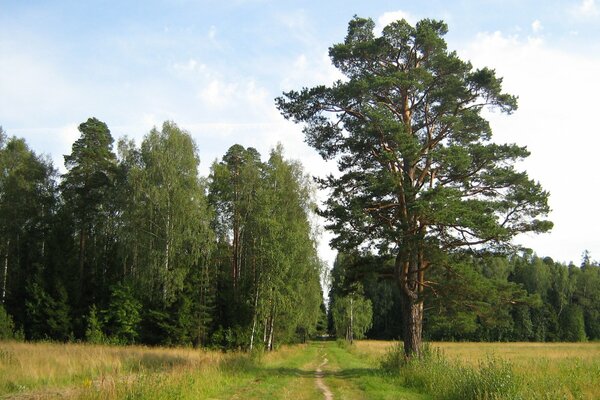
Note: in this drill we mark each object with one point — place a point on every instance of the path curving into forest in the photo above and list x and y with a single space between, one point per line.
320 383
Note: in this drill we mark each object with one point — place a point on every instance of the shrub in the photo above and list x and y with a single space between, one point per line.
7 326
93 331
122 316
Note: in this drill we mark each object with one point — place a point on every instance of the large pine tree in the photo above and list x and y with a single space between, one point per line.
419 173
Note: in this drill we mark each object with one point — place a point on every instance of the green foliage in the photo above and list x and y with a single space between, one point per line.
232 259
7 326
91 169
267 250
572 325
89 211
352 315
27 199
419 175
47 315
485 298
122 316
168 223
93 330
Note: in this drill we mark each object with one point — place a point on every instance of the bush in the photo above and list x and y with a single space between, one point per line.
93 331
7 326
122 316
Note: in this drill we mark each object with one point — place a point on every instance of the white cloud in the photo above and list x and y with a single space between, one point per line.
216 94
586 9
555 120
189 66
241 98
309 70
391 16
212 32
536 26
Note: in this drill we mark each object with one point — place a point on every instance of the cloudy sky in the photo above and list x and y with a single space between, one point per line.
214 67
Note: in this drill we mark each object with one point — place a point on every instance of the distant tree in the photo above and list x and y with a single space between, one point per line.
352 315
321 328
234 184
47 315
27 203
122 316
267 253
235 188
572 324
88 191
419 174
587 296
171 218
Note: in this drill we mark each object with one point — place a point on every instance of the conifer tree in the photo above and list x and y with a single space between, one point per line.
419 174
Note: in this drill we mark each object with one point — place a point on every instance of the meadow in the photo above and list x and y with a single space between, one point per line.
538 370
81 371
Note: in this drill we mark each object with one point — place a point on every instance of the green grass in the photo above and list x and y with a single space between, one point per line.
464 371
352 375
79 371
528 371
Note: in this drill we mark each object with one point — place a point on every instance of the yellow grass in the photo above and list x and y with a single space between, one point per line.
46 370
515 352
90 372
545 370
26 366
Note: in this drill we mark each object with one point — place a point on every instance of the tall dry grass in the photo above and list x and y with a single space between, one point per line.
29 366
542 370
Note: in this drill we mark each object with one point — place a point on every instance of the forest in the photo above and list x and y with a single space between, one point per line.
131 245
513 297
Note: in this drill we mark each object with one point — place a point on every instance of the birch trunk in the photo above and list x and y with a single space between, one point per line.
270 344
5 277
351 333
167 254
254 319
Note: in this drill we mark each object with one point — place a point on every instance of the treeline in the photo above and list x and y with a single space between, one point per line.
132 245
518 297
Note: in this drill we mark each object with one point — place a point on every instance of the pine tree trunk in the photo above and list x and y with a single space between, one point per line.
409 268
412 325
81 260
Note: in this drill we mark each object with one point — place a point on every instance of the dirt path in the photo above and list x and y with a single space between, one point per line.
320 384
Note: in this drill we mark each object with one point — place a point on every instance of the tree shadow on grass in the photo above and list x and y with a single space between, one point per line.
350 373
293 372
157 362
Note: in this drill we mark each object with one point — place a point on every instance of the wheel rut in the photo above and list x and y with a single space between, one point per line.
327 395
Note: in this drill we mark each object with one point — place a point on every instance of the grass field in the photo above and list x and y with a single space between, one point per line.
542 370
78 371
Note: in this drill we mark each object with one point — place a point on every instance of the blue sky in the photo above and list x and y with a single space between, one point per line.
214 68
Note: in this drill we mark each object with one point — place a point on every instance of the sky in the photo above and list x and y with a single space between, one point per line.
215 67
